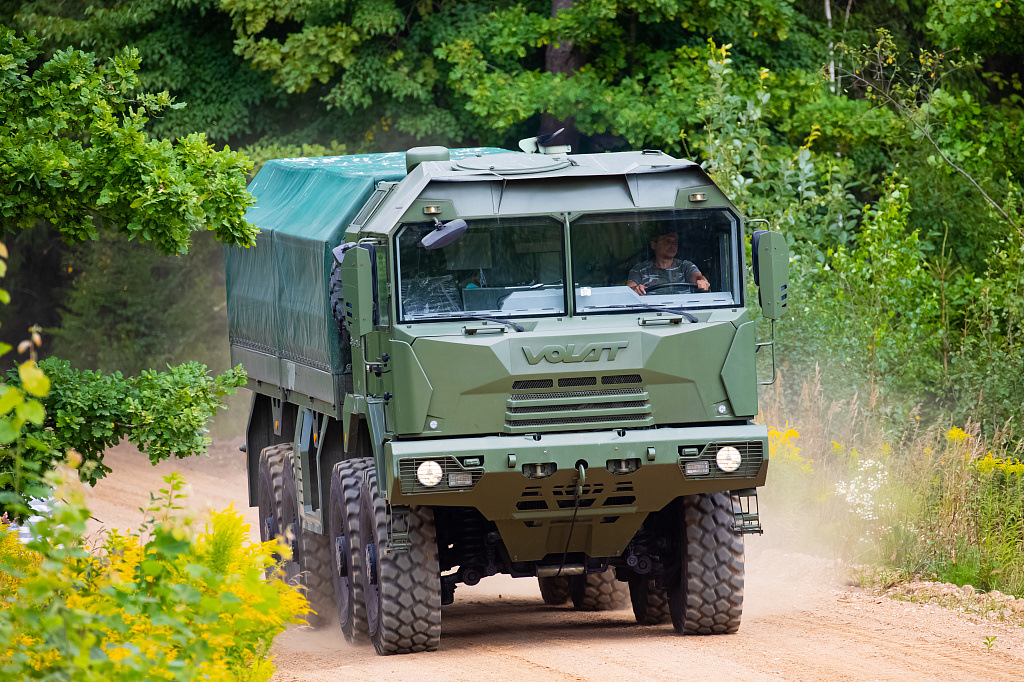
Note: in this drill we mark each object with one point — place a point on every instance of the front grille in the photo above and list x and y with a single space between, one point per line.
568 410
557 395
751 453
412 486
603 419
581 406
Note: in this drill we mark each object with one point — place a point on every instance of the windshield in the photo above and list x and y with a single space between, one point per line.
660 259
507 267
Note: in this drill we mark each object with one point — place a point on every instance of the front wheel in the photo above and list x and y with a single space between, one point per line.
402 589
707 597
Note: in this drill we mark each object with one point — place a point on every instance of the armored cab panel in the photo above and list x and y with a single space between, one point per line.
280 322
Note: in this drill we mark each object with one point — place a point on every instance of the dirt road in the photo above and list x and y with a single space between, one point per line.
799 623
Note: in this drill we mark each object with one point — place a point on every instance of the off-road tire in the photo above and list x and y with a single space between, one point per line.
554 590
347 567
311 565
402 590
650 604
269 485
708 597
598 592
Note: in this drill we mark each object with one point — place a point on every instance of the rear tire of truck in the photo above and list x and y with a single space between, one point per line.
554 590
598 592
707 598
268 496
650 604
310 567
343 524
402 590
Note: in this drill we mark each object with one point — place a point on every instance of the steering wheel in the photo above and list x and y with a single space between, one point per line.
690 286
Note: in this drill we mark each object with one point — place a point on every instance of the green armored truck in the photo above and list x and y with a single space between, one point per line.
477 361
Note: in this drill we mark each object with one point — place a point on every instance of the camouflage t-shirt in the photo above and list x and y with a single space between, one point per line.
648 274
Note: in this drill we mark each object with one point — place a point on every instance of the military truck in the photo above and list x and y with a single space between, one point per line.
433 403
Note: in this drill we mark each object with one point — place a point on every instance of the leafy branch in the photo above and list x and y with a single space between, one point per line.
879 71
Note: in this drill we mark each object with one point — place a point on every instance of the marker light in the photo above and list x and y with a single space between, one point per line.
460 479
728 459
429 473
698 468
432 210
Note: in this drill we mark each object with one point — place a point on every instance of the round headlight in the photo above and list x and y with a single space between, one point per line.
728 459
429 473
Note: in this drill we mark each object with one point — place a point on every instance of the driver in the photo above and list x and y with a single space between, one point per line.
665 268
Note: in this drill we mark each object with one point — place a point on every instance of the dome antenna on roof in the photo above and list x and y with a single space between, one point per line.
541 144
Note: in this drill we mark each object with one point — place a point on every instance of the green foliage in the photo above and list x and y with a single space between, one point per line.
185 47
165 602
163 413
73 151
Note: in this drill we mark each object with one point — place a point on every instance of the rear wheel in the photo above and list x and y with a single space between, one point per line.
708 596
310 566
268 493
343 522
554 590
650 604
402 589
598 592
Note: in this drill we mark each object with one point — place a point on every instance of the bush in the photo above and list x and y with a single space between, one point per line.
163 603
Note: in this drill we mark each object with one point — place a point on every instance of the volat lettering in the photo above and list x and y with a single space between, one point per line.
590 352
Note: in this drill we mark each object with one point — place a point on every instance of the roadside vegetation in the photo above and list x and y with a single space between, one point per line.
915 501
886 141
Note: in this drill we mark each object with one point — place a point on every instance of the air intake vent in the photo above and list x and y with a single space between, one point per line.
532 383
577 381
620 379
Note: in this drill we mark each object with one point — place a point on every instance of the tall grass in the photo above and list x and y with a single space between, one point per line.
931 500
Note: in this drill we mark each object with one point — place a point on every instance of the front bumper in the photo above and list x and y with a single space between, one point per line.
532 513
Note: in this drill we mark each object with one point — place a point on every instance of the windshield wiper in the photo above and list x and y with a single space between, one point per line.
540 285
640 306
689 316
510 323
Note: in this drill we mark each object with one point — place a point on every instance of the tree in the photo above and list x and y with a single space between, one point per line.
74 151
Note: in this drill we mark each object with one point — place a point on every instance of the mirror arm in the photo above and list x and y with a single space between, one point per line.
758 346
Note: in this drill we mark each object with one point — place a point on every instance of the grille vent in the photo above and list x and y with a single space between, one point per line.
621 379
532 383
577 381
558 395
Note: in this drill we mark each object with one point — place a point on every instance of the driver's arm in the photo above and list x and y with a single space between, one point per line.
638 288
701 281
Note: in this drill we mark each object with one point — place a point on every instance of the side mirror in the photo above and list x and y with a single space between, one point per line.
445 234
359 288
771 272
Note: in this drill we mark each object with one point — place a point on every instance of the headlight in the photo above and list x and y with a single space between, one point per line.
429 473
728 459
